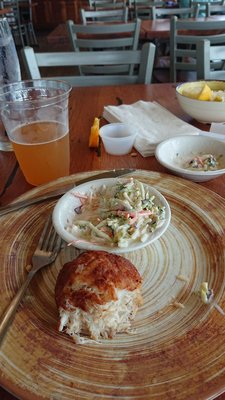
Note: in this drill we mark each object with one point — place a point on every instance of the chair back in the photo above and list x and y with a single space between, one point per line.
210 60
144 59
203 5
187 12
104 37
184 35
143 8
26 14
93 16
93 3
105 5
212 9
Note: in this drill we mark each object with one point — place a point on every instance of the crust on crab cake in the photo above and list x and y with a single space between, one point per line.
97 293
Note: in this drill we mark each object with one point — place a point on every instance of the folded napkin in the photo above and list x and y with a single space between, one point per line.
153 122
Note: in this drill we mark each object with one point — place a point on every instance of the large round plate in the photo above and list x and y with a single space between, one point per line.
64 215
176 353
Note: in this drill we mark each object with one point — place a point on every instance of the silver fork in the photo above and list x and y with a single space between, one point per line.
45 253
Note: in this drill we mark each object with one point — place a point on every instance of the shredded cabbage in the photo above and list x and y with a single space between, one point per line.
117 216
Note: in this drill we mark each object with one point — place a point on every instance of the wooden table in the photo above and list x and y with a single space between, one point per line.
160 28
4 11
59 35
150 30
85 104
157 28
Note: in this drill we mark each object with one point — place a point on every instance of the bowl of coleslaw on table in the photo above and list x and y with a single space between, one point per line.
116 215
193 157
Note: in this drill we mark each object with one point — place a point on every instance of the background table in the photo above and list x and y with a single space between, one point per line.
4 11
160 28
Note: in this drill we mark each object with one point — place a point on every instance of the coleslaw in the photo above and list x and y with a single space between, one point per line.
117 215
204 162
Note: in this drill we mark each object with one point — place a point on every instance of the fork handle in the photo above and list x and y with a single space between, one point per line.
12 307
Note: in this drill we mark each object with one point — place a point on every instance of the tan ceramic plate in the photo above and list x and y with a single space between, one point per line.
176 353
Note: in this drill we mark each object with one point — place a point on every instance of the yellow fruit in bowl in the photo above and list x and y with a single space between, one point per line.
206 93
201 92
191 92
218 98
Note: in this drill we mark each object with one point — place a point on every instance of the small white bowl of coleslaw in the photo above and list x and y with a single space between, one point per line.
194 157
117 215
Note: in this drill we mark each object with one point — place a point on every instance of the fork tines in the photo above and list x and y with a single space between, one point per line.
49 240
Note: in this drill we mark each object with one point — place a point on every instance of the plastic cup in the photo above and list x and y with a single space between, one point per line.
35 115
118 138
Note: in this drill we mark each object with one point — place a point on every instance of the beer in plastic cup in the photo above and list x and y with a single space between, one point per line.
35 115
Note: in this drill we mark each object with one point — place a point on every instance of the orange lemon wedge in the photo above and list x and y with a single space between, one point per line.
94 134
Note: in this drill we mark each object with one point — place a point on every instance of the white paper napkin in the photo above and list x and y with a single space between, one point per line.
153 122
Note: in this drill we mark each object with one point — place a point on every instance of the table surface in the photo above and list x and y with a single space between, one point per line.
150 29
59 35
4 11
160 27
85 104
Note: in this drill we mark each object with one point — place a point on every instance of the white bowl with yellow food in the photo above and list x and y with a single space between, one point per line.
197 158
203 100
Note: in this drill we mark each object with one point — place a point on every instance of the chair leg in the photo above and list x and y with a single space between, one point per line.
31 33
18 36
24 33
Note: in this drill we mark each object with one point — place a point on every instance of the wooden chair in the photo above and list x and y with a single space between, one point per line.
210 60
103 37
94 3
204 4
184 36
162 64
143 58
189 12
106 5
212 9
93 16
26 14
19 29
143 8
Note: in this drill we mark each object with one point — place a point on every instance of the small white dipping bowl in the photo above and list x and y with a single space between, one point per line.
118 138
175 153
202 111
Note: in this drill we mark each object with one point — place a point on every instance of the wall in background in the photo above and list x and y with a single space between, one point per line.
47 14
